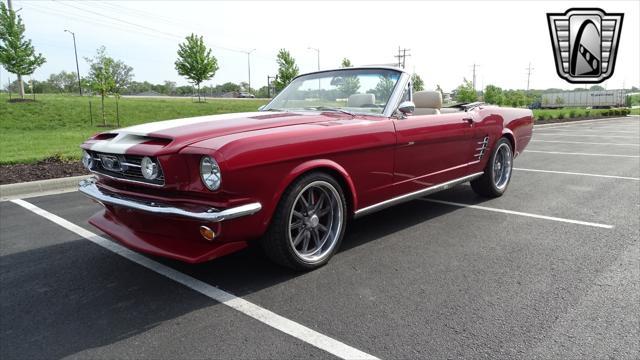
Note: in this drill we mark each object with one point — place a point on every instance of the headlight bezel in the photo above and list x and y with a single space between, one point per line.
155 172
210 173
87 160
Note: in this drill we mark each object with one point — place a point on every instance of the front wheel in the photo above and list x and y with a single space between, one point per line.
497 173
309 222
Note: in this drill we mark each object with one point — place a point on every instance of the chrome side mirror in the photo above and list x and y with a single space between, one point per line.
407 107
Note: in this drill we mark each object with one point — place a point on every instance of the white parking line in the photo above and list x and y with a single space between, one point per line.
552 131
581 142
535 133
577 173
585 154
519 213
265 316
611 121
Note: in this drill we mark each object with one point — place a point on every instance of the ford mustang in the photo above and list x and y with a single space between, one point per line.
332 146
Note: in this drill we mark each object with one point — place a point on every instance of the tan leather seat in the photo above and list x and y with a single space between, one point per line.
427 102
359 100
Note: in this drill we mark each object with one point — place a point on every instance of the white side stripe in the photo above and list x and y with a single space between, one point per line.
585 154
586 143
265 316
577 173
519 213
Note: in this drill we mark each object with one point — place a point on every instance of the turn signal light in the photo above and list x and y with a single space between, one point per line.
207 233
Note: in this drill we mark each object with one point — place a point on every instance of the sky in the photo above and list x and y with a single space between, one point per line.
445 38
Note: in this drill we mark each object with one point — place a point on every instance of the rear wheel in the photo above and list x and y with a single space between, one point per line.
497 173
308 224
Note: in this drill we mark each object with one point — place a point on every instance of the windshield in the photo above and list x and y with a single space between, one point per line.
362 91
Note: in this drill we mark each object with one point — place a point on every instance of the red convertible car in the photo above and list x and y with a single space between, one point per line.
332 146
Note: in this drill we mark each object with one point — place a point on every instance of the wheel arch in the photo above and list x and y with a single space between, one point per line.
330 167
508 134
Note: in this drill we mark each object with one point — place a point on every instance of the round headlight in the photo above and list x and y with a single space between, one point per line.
87 160
210 173
149 168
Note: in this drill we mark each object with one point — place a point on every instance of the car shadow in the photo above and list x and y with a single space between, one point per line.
249 270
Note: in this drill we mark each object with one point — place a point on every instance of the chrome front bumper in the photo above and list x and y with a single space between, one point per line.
89 188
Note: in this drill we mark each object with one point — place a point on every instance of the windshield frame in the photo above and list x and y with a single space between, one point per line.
390 107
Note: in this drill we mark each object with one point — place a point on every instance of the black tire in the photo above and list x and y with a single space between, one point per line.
486 185
278 241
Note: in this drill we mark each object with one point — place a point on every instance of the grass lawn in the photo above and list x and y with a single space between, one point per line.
54 125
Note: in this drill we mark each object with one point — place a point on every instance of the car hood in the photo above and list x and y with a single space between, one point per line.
164 137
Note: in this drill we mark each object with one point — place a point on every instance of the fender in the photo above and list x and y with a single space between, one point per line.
312 165
506 132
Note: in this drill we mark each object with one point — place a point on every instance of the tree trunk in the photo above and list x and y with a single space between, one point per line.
198 92
20 86
104 123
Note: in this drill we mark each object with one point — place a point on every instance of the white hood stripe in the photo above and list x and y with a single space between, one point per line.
154 127
134 135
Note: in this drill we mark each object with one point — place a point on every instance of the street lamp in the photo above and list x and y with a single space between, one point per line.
318 52
75 50
249 65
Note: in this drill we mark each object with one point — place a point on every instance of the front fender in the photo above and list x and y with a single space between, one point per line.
316 164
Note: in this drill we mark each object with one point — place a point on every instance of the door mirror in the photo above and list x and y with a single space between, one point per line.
407 107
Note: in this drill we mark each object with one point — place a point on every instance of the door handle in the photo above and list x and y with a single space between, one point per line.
468 120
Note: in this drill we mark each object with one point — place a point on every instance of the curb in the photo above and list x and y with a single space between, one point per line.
40 187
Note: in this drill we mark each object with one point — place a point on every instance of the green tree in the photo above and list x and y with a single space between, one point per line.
596 88
465 92
346 63
493 95
63 82
100 76
383 88
417 82
287 69
17 55
195 61
350 84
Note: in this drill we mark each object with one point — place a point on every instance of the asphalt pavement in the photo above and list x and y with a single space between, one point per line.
550 270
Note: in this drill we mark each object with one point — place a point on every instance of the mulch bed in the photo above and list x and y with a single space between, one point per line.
50 168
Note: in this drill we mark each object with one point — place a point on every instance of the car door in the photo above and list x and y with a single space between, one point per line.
431 149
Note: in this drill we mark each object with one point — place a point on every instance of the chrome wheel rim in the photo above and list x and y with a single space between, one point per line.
502 166
315 222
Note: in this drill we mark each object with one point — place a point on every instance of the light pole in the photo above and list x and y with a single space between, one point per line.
249 66
318 53
75 50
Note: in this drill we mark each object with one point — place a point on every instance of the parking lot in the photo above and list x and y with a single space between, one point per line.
549 270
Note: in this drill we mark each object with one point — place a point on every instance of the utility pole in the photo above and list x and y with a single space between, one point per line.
402 57
75 50
9 5
249 65
475 66
529 69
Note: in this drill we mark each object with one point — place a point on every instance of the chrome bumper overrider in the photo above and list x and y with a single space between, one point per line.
90 189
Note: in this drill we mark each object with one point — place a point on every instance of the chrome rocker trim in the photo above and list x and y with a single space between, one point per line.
416 194
89 188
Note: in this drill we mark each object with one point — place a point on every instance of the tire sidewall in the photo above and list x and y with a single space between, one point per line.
287 207
491 164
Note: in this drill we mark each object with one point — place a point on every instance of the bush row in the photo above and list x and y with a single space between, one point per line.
578 113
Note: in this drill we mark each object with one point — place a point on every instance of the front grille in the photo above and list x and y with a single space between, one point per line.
125 167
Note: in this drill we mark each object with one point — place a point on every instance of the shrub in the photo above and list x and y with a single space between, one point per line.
560 115
626 111
573 113
587 112
540 117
